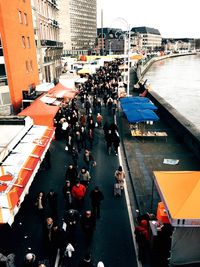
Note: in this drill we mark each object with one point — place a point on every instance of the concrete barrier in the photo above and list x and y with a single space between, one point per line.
184 130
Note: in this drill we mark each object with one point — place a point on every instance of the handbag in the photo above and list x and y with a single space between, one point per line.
94 164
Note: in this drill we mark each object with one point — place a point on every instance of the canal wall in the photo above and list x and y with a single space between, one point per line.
143 67
184 130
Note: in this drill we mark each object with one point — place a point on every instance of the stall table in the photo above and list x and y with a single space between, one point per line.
139 133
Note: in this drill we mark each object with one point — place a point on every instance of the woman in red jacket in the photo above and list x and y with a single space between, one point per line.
78 194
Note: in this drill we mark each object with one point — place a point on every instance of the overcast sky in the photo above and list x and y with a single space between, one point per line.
173 18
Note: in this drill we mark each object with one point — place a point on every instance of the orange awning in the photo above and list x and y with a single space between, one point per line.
137 57
180 192
41 113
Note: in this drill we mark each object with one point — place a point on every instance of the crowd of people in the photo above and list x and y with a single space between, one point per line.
77 123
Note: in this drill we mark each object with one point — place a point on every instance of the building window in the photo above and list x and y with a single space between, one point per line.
27 66
28 42
25 19
23 42
20 17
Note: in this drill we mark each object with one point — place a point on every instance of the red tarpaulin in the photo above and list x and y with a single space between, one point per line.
41 113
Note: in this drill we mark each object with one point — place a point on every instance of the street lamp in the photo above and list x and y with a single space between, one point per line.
126 52
110 50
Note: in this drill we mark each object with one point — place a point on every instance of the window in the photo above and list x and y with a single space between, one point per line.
25 19
28 42
23 42
20 17
27 66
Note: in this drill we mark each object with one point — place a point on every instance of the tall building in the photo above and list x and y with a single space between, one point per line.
81 16
64 21
150 38
47 31
18 61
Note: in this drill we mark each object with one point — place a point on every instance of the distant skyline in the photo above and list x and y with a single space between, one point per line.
173 18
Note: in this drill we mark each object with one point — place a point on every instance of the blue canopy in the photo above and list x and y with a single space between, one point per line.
136 115
134 105
134 99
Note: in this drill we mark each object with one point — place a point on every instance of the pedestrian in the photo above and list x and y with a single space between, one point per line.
78 194
142 239
40 204
54 238
30 260
89 159
86 261
120 176
116 142
67 193
84 176
109 139
75 156
96 197
99 120
71 218
100 264
71 174
52 201
88 224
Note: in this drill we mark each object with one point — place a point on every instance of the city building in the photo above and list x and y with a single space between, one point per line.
64 22
18 61
149 38
178 44
109 41
82 20
47 34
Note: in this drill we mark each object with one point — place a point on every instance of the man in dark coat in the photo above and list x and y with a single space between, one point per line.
96 197
86 261
88 224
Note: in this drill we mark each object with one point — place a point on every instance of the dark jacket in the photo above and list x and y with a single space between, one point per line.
96 196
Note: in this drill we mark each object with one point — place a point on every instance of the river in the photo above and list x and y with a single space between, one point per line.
177 80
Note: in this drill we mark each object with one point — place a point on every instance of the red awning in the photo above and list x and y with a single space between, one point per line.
41 113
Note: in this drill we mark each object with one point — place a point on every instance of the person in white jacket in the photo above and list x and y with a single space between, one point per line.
100 264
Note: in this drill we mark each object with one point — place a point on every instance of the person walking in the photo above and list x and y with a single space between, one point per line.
86 261
99 120
88 224
40 204
84 176
75 156
78 194
71 174
89 159
120 176
116 142
52 201
96 197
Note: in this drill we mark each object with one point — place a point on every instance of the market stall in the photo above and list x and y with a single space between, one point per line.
61 91
19 166
180 193
41 113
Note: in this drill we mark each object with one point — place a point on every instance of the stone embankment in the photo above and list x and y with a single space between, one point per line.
185 130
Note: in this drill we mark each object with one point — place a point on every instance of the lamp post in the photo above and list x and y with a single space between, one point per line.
126 52
110 50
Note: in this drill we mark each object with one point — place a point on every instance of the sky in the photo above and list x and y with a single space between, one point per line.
173 18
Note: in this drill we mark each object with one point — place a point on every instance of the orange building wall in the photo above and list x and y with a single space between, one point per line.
15 54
